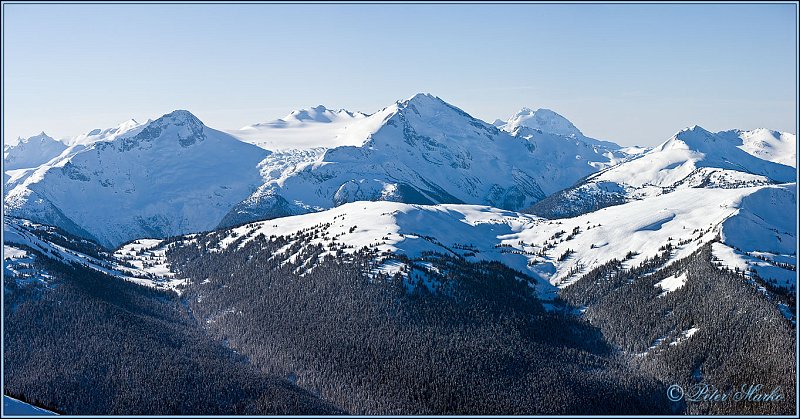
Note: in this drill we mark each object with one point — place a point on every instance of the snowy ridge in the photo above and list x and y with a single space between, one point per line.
128 128
778 147
31 152
692 158
174 176
688 151
141 262
549 122
151 180
554 250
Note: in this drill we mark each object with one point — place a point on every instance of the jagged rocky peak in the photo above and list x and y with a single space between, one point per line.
37 139
431 110
182 124
41 136
423 101
179 117
31 151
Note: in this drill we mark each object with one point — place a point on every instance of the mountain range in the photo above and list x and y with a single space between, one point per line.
421 150
151 180
692 158
175 176
420 247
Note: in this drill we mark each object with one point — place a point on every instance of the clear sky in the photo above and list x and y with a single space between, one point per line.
634 74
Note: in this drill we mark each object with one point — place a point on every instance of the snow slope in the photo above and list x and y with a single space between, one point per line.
671 283
14 407
687 152
565 153
308 128
555 250
31 152
544 120
128 128
142 262
692 158
548 121
567 159
74 145
174 176
778 147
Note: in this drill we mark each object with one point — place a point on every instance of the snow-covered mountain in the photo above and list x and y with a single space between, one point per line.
564 149
692 158
128 128
421 150
544 120
424 150
746 224
128 263
173 176
31 152
307 128
778 147
526 122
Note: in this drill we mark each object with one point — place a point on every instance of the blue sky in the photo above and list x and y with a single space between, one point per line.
634 74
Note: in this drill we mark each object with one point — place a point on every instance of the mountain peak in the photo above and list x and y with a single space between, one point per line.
695 129
694 138
178 118
32 151
180 115
545 120
694 133
422 98
41 137
428 105
180 123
